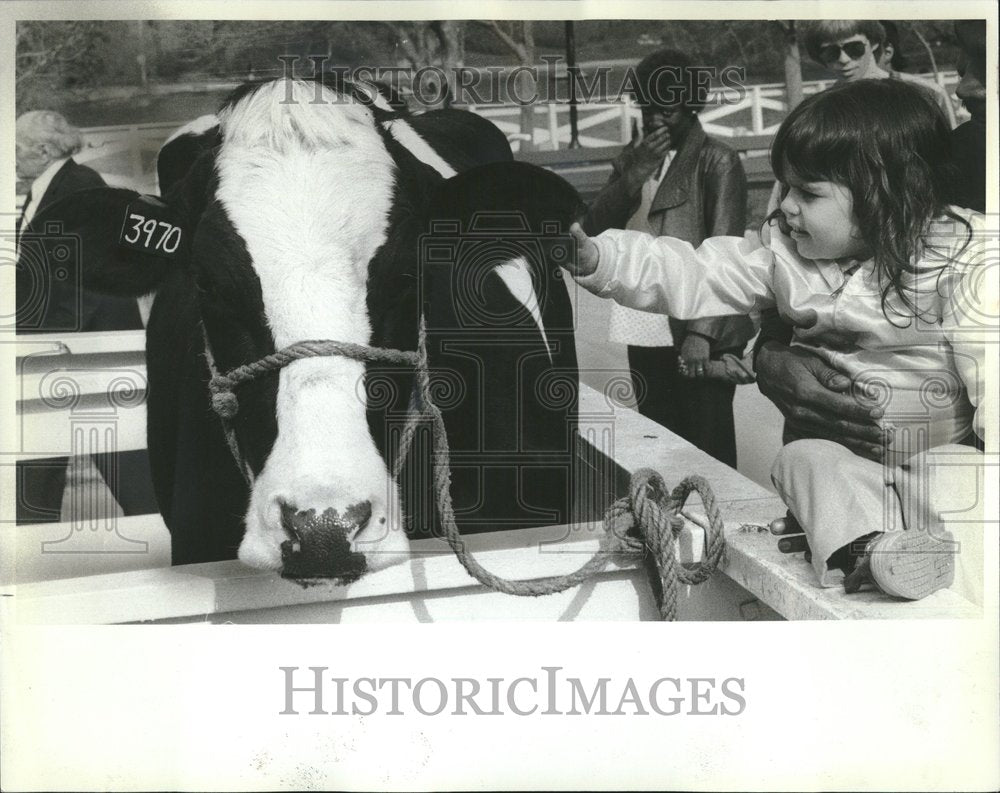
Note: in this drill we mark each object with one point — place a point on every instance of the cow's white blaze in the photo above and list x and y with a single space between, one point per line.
407 137
517 276
196 127
374 96
514 274
308 186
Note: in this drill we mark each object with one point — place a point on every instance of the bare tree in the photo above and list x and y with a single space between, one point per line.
519 38
140 31
47 50
438 44
793 64
934 68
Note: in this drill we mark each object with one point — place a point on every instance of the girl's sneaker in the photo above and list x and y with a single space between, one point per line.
906 564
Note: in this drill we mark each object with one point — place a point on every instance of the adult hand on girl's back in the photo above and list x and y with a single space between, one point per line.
816 400
585 261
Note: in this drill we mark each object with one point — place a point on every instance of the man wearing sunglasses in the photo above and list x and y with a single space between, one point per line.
853 49
848 47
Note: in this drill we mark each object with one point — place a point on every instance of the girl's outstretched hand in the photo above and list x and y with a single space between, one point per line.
586 253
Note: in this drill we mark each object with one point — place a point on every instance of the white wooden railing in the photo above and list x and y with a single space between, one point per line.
126 155
753 110
118 570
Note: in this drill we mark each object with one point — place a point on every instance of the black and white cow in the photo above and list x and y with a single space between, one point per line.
467 139
342 220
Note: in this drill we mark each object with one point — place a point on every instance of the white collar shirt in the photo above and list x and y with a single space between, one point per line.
39 186
640 328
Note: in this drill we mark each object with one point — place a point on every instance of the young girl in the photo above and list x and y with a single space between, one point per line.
881 279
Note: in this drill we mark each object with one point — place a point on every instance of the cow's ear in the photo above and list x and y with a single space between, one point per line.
177 155
491 194
502 222
126 242
189 196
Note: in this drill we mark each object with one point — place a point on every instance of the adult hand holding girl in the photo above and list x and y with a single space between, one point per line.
866 260
818 401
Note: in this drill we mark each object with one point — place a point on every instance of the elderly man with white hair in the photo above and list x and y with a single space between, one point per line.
49 301
45 145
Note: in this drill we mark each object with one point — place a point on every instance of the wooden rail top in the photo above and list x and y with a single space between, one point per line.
93 343
433 586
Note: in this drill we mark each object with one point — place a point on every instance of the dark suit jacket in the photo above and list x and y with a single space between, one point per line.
968 150
49 295
703 194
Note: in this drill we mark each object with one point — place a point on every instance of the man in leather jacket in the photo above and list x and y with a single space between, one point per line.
677 181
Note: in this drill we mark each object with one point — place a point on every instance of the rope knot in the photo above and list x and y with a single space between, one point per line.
647 484
224 401
658 521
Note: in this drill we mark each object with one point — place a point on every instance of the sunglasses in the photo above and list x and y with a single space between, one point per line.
854 50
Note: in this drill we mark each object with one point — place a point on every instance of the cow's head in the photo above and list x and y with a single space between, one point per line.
301 220
293 228
302 204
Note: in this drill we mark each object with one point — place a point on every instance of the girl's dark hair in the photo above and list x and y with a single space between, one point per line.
889 144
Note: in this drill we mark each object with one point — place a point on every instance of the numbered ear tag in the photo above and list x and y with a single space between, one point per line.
149 227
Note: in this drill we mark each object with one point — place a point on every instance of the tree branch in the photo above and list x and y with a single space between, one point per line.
404 38
505 37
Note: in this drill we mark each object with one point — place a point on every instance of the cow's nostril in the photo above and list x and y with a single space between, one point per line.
357 516
288 524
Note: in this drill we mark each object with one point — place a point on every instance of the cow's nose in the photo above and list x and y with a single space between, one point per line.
319 545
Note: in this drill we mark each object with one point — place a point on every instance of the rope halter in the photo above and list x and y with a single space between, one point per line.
647 519
222 386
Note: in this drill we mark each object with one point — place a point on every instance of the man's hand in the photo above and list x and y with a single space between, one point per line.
646 157
693 360
587 254
817 402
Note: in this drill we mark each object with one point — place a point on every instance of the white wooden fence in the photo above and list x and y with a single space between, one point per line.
126 155
753 110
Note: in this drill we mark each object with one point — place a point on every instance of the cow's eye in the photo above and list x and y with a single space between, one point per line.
212 299
208 289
